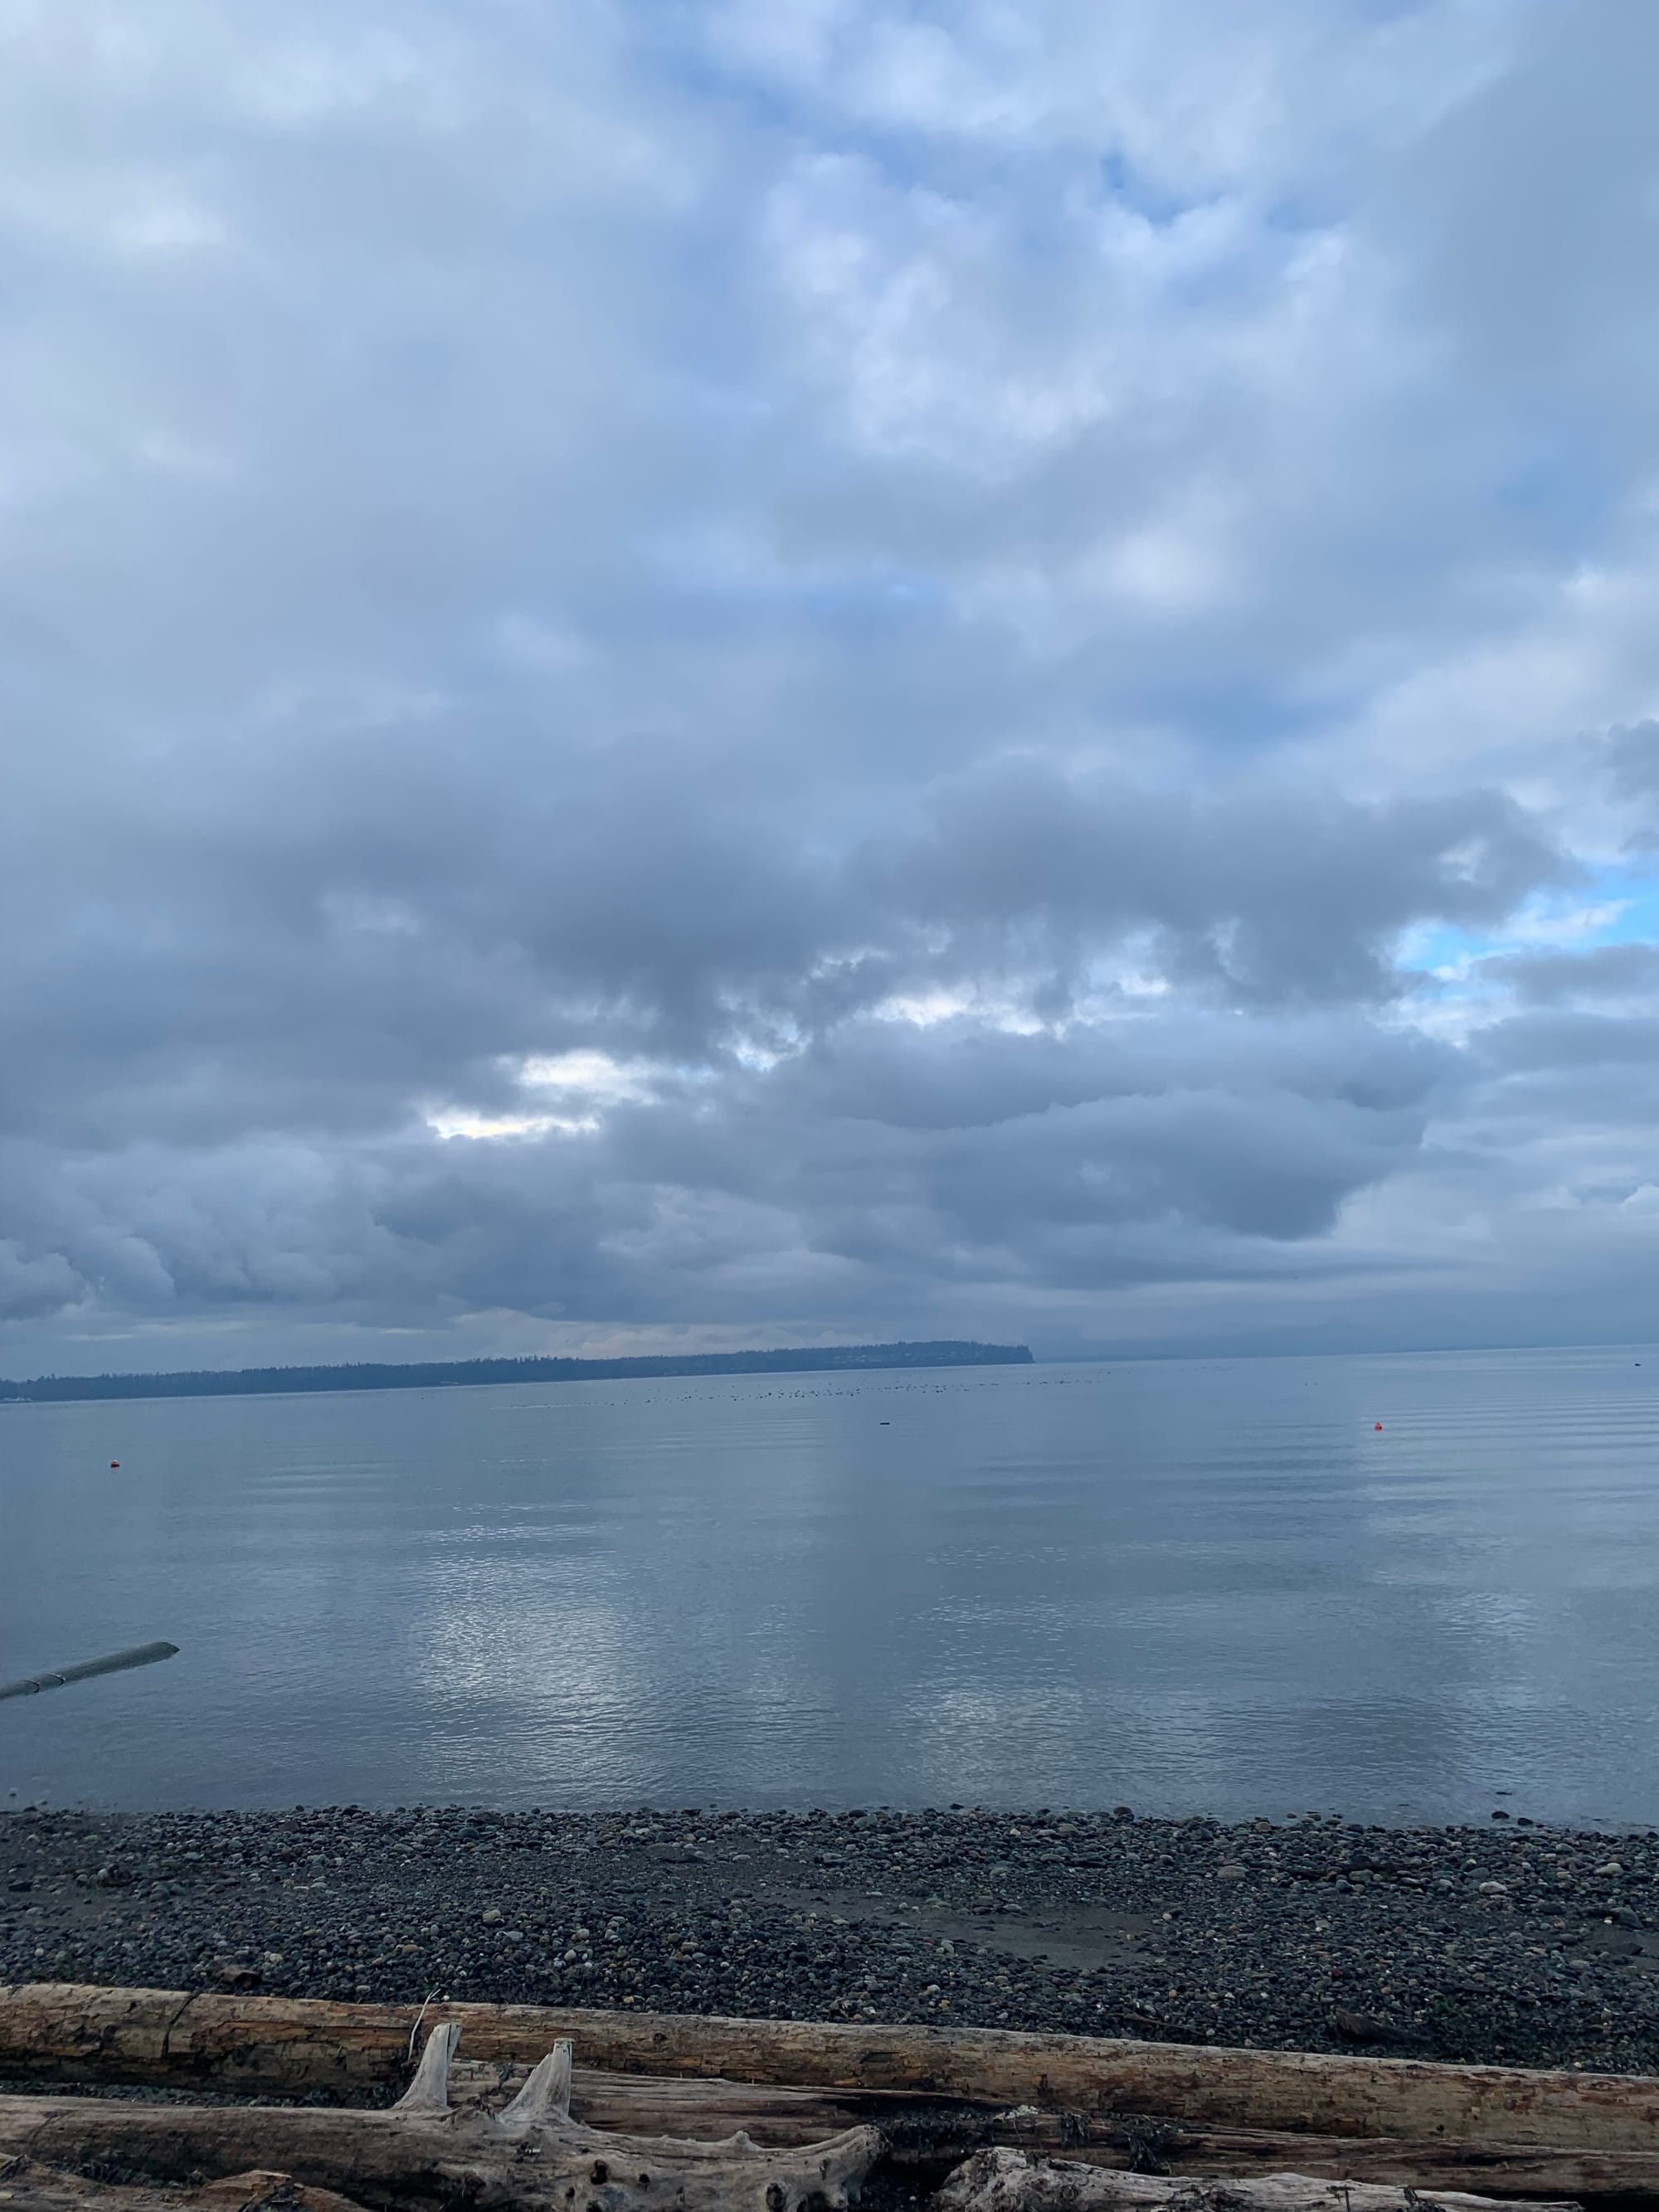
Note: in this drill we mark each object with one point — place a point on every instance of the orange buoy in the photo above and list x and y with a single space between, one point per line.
1376 1424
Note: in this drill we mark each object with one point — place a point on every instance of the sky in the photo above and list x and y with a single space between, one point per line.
701 672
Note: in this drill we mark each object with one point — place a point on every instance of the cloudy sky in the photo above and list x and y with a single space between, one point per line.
732 671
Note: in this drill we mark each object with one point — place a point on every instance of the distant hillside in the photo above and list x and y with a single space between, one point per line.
437 1374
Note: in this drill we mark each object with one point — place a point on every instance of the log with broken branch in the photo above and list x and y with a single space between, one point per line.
928 2135
277 2047
532 2157
925 2140
296 2047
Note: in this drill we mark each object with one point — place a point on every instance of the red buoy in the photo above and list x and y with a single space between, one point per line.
1376 1424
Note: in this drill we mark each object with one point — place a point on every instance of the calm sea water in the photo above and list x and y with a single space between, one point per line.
1194 1586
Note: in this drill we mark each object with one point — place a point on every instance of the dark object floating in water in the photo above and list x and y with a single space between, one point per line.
142 1654
114 1463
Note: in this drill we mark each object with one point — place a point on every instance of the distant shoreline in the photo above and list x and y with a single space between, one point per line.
426 1375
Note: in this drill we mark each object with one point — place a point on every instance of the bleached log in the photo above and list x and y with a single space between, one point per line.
429 2093
421 2153
926 2141
928 2137
286 2047
1013 2181
1215 2113
545 2100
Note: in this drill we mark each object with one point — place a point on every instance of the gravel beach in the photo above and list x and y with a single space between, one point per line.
1513 1942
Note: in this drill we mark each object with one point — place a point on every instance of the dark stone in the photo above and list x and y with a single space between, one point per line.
1365 2027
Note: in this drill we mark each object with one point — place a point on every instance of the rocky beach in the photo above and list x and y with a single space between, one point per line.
1509 1942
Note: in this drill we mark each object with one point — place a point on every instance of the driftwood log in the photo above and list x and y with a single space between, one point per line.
1010 2181
929 2135
1150 2110
924 2143
26 2187
992 2181
292 2046
532 2157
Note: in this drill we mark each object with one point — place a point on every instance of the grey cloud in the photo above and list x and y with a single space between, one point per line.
851 578
1633 760
957 1075
1075 1162
1569 1046
1605 972
465 903
1233 883
1535 201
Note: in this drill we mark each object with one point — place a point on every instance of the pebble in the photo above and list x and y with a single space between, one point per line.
1490 1943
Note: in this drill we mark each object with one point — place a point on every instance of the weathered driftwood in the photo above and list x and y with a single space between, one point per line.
428 2149
117 1662
703 2107
283 2047
1010 2181
28 2187
532 2157
992 2181
1392 2162
928 2135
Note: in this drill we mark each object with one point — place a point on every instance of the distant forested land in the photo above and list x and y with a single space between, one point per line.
427 1374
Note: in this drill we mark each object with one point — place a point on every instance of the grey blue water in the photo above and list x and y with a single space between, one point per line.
1189 1586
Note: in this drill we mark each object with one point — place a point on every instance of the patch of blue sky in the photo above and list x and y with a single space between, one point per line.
1157 204
1394 11
801 107
1298 214
1612 906
705 586
1561 489
744 569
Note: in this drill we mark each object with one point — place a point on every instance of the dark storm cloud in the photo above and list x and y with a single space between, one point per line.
262 1002
792 670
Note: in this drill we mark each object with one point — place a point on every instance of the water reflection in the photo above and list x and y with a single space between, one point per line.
1202 1586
